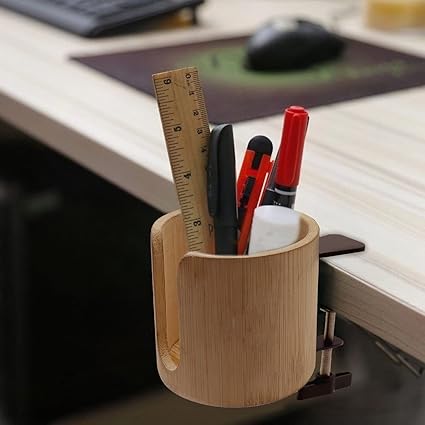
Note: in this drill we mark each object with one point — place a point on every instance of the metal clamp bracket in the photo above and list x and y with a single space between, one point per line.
326 382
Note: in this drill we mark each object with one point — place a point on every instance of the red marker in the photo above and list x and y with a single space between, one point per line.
290 156
255 166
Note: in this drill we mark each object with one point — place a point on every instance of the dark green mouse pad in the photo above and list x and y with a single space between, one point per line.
235 94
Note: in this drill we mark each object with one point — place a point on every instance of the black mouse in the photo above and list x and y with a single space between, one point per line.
288 44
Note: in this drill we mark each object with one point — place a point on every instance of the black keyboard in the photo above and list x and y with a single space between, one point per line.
93 17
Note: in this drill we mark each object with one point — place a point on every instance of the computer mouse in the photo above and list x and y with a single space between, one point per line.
287 44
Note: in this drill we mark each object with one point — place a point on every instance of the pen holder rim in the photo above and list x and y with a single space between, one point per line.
304 240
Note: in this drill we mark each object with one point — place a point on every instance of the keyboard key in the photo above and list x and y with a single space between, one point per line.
91 17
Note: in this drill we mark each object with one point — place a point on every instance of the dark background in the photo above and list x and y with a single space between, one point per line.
77 316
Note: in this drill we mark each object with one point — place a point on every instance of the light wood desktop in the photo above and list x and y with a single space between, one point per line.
363 173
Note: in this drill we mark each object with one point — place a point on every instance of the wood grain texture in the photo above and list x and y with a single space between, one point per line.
364 306
363 176
363 172
247 324
186 131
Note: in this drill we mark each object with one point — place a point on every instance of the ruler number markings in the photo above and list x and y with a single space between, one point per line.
185 124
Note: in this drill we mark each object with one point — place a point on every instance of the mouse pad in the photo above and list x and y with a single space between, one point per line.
235 94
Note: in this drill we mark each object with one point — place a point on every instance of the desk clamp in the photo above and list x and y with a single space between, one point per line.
326 382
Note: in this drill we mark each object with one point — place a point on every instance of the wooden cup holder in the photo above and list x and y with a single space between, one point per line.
234 331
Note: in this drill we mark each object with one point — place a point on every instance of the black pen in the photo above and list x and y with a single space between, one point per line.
222 189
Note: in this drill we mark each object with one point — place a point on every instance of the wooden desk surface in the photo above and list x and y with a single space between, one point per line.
363 173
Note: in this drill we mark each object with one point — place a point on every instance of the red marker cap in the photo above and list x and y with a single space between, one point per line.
291 147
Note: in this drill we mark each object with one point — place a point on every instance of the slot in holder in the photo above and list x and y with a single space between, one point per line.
237 331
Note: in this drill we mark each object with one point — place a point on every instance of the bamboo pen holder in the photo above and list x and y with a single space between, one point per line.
234 331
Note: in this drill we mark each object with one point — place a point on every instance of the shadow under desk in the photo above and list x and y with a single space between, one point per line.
76 301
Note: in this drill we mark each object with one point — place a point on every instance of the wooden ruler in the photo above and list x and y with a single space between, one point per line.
186 130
